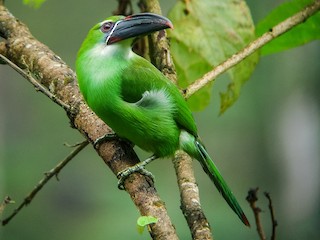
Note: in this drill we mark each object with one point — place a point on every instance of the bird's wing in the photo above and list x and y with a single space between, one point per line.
142 76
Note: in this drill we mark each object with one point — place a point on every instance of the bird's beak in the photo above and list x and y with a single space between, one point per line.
138 25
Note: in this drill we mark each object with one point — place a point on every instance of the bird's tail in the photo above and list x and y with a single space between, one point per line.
194 148
214 174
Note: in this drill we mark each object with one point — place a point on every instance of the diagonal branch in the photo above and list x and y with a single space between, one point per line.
48 175
35 83
51 72
274 32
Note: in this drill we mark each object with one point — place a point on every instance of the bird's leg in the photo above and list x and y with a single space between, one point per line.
110 137
136 168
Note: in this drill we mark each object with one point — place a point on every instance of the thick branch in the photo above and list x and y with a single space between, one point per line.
190 200
29 54
274 32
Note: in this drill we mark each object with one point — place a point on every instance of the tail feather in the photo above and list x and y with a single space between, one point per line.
214 174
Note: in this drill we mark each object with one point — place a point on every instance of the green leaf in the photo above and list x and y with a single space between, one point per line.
144 221
34 3
206 33
299 35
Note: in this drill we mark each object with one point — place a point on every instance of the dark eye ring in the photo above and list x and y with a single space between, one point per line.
105 27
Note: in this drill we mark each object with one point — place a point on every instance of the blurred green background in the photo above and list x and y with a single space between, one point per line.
269 139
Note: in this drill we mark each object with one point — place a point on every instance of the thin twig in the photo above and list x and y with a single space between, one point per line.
72 145
273 220
252 198
274 32
7 200
36 84
48 175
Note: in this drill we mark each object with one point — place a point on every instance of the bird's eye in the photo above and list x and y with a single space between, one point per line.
105 27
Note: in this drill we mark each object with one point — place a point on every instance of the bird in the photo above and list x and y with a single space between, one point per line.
136 100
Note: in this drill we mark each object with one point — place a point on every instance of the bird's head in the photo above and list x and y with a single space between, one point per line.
119 28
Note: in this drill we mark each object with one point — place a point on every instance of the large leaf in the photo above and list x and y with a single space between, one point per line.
301 34
206 33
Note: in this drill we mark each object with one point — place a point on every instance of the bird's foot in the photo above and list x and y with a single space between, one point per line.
123 175
140 167
105 138
109 137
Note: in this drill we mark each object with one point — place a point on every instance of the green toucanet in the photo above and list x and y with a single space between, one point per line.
135 99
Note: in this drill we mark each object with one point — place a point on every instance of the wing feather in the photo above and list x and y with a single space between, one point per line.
141 76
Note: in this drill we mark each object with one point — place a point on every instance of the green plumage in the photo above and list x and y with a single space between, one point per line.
135 99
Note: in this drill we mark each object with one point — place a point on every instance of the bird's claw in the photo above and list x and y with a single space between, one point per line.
110 137
123 175
104 138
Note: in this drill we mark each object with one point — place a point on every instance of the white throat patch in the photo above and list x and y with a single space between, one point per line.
103 50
